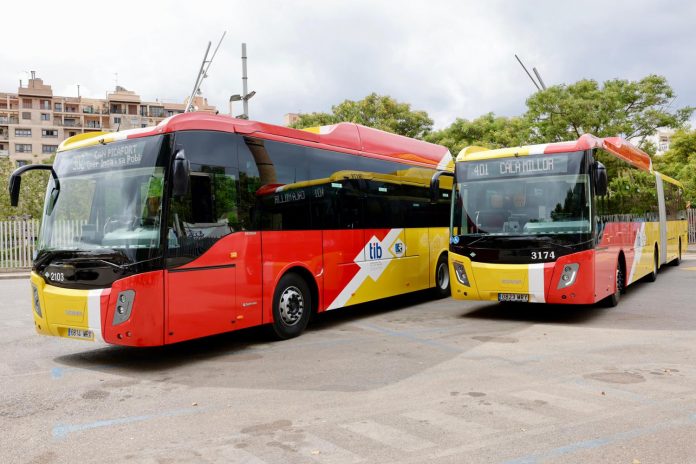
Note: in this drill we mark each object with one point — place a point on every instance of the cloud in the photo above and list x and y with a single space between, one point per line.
449 58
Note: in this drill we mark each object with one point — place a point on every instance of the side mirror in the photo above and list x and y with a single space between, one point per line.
15 183
16 180
600 179
435 185
180 174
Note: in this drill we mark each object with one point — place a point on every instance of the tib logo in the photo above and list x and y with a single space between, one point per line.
375 250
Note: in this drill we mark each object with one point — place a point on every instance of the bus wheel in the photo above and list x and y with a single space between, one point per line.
613 299
652 277
442 278
292 306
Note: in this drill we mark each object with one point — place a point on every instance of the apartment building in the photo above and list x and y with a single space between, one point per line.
33 121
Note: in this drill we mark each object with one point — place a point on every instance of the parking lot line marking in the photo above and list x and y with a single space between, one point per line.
604 441
63 430
558 401
510 414
389 436
326 452
450 423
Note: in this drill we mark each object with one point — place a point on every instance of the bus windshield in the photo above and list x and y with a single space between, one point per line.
109 200
530 195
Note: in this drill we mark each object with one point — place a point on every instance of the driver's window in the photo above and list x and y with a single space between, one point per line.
210 208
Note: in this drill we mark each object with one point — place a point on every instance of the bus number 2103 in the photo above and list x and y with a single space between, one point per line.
543 255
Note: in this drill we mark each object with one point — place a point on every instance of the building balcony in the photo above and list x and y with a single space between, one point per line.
71 124
4 152
90 125
9 120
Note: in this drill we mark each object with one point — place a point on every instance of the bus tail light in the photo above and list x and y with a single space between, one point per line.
460 272
37 302
124 305
570 272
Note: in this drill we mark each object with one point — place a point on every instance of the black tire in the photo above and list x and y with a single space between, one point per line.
678 261
292 306
442 278
652 277
613 299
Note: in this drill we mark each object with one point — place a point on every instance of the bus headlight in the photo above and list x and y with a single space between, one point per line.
124 305
570 272
460 272
37 302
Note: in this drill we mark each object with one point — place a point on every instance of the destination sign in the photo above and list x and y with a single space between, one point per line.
103 157
512 167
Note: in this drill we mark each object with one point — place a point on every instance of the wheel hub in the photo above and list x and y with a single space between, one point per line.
442 276
291 305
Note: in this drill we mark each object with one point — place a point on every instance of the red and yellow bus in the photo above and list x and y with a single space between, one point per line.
206 224
573 222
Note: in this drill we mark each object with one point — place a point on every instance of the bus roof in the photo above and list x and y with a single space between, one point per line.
616 146
345 135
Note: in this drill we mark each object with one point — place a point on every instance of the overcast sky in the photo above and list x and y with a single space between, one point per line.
449 58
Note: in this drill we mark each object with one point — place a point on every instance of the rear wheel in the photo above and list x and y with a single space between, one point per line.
613 299
653 275
442 278
292 306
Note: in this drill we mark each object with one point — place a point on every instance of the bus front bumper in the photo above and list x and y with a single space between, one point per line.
533 283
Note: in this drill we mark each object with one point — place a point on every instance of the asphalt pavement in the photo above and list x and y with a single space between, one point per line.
407 380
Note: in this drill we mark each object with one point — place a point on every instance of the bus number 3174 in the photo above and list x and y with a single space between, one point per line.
543 255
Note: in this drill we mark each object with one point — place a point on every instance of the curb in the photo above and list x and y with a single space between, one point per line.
14 276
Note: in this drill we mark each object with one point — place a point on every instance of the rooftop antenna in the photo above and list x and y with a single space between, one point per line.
530 76
203 72
536 73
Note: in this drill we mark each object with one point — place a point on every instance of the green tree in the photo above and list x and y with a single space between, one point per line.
489 131
632 109
680 162
31 195
377 111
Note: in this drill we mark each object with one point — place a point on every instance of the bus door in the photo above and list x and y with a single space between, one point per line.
211 286
393 251
337 207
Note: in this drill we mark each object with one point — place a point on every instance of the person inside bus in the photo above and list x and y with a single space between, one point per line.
519 212
493 218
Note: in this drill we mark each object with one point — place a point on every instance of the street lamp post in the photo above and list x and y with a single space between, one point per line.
234 98
245 96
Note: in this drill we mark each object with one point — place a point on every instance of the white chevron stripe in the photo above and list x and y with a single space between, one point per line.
368 268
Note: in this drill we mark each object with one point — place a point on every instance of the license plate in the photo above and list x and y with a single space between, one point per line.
516 297
84 334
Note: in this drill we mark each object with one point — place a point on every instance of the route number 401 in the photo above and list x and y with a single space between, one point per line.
543 255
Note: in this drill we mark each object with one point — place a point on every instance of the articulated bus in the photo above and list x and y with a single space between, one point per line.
206 224
573 222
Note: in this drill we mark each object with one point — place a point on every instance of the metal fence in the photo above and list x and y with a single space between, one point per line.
691 215
18 240
17 243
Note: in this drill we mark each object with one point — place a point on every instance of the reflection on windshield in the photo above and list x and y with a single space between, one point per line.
524 205
118 209
110 198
